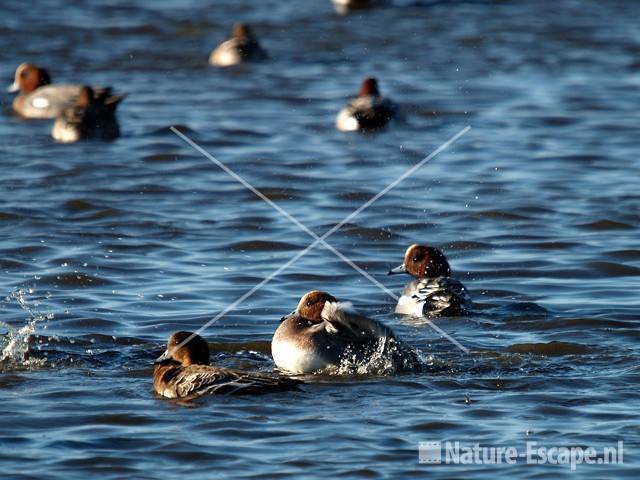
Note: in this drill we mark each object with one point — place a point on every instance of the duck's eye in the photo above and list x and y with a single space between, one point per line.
309 303
417 258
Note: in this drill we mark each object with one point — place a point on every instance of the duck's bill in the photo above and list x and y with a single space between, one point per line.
398 269
163 357
13 87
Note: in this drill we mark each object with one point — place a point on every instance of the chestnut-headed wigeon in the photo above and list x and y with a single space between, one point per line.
323 332
433 292
183 371
38 98
91 117
369 111
241 47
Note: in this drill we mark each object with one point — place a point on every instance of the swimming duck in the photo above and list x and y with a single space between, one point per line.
323 332
241 47
91 117
343 7
433 292
37 98
369 111
183 370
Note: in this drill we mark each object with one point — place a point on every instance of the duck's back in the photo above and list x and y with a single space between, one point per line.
433 296
47 101
197 380
366 113
236 50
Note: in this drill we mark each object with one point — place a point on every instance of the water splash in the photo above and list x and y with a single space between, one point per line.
387 357
15 344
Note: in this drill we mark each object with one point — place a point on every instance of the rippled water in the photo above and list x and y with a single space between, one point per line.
109 247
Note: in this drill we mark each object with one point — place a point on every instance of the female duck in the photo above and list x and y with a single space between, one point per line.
241 47
433 292
183 370
369 111
323 332
91 117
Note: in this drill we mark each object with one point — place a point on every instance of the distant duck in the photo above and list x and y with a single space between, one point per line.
323 332
369 111
91 117
183 371
433 292
241 47
345 6
38 98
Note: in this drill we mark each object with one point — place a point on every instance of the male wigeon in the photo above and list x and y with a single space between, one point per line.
241 47
323 332
369 111
37 97
433 292
91 117
183 370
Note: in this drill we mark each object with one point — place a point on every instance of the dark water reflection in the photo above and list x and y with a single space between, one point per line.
107 248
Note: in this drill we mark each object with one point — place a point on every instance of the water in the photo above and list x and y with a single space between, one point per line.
109 247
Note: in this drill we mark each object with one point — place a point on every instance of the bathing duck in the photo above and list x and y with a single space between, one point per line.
369 111
433 292
241 47
323 332
91 117
183 370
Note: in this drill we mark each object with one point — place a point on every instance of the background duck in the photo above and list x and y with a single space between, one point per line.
37 97
368 111
183 370
91 117
241 47
433 292
323 332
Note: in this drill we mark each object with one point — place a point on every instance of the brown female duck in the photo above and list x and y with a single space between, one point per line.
183 370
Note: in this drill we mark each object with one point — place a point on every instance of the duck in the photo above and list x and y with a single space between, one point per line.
183 371
90 117
38 98
368 111
323 332
241 47
433 291
342 7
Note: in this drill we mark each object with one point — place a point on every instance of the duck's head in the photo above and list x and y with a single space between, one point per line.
312 303
186 348
369 87
423 261
28 78
242 30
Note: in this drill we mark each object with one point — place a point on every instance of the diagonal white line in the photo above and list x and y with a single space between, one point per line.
312 234
444 334
286 214
246 295
399 179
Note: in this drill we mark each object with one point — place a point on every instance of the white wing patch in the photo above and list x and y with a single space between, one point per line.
40 102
